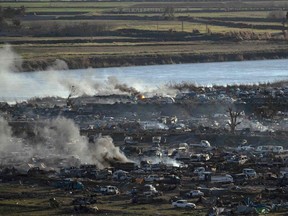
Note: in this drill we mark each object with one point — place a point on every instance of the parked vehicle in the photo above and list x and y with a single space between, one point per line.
183 204
171 179
156 139
152 178
245 148
203 144
241 159
199 170
150 190
240 178
207 176
195 193
120 175
250 173
69 184
109 190
270 148
199 157
130 140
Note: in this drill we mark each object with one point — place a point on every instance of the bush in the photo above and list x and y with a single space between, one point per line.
195 31
276 15
79 29
248 35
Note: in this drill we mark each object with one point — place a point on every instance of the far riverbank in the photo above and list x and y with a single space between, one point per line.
114 60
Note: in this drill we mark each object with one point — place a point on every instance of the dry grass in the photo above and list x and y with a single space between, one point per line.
42 51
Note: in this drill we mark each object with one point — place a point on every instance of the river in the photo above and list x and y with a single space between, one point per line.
21 86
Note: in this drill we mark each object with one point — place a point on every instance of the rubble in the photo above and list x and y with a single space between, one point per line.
145 149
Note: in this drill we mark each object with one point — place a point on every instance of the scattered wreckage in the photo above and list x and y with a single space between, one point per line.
187 151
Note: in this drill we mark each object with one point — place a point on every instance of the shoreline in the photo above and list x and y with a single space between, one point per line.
105 61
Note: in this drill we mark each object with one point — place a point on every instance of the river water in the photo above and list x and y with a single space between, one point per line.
22 86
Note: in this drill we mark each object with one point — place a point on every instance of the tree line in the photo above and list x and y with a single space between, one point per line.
9 14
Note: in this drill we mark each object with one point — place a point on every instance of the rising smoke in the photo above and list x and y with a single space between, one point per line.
56 82
58 139
7 143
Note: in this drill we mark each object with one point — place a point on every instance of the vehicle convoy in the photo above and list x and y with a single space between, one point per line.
183 204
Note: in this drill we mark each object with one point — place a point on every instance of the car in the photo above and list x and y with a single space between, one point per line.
245 148
138 171
150 190
130 140
183 204
152 178
171 179
195 193
250 173
199 170
109 190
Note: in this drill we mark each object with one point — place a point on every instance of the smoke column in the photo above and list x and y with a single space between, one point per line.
58 138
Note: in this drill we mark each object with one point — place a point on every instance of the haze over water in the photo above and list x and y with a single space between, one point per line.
141 77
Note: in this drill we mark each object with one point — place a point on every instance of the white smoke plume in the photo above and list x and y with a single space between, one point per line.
11 149
16 86
104 152
165 160
7 143
58 65
61 136
9 60
55 140
253 125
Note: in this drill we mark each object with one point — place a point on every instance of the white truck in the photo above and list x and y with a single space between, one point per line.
207 176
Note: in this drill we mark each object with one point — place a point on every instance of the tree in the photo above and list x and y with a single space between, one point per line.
16 22
168 12
233 122
12 15
72 92
22 10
